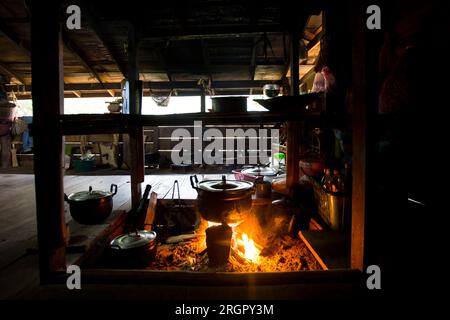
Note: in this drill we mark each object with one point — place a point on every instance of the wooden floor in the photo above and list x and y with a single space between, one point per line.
18 212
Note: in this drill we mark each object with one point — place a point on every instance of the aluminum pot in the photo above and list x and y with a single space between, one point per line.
92 206
223 201
134 249
253 173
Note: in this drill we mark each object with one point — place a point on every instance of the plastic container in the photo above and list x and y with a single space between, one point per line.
84 165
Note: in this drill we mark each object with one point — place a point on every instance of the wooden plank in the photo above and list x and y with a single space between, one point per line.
98 237
114 123
151 211
331 248
359 140
141 277
162 85
48 95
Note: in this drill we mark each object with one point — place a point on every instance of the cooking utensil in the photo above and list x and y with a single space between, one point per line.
251 174
223 201
134 249
260 170
137 216
229 104
263 188
92 206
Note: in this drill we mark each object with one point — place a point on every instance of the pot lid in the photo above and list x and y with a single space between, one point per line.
133 240
229 186
260 171
89 195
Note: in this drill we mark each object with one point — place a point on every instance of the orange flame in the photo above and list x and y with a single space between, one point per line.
251 252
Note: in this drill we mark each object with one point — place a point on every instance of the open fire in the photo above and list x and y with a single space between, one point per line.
250 251
280 253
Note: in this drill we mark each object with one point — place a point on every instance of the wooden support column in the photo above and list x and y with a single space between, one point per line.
48 95
203 102
365 91
136 144
295 68
293 128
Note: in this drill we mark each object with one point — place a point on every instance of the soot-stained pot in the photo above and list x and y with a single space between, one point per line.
223 201
134 249
92 206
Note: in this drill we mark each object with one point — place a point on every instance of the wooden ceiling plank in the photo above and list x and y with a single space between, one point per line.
98 30
75 49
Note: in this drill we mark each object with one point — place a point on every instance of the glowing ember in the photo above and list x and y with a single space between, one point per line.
250 250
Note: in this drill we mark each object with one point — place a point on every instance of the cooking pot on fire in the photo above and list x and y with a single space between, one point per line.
92 206
223 201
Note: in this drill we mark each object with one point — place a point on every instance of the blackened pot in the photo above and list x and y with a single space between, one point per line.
91 207
223 201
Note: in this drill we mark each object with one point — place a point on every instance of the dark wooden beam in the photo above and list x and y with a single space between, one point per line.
162 85
78 52
136 135
207 62
16 20
48 90
316 39
106 41
6 69
108 123
164 64
202 101
9 34
212 32
369 233
253 59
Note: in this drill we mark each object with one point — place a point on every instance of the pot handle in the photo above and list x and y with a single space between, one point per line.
66 198
194 184
113 189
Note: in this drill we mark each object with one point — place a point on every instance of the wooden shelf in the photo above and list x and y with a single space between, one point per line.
123 123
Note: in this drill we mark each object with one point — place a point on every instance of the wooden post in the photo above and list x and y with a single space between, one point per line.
365 88
203 102
48 95
136 146
293 128
295 68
